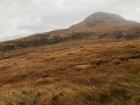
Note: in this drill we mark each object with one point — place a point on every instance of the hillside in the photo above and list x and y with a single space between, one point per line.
99 26
97 72
83 65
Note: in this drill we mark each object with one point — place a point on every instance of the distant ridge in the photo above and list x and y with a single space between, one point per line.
98 26
100 18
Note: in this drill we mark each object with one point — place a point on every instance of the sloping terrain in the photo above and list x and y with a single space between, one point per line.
97 26
103 72
96 64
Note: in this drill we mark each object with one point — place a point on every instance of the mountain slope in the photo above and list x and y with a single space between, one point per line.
100 18
98 73
83 65
98 26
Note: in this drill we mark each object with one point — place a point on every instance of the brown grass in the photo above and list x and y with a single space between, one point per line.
19 97
74 73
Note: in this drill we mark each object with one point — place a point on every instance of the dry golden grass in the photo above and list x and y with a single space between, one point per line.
19 97
74 73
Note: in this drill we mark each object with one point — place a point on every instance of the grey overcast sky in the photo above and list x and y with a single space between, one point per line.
23 17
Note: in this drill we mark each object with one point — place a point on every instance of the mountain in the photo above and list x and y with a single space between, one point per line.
90 63
102 18
98 26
